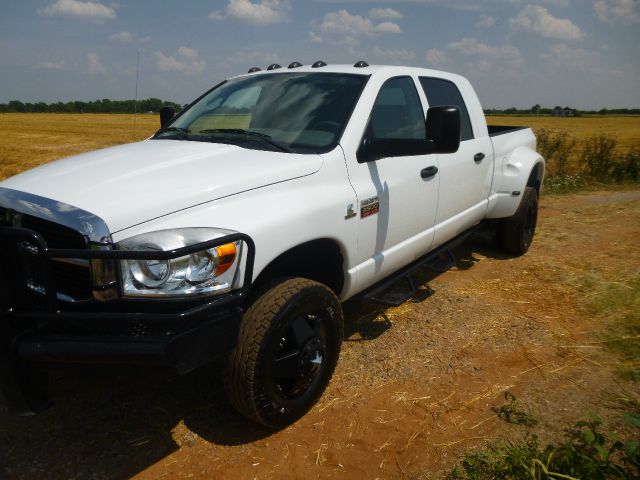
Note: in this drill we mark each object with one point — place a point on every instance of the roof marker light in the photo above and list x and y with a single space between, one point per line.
361 64
273 66
254 69
294 65
319 64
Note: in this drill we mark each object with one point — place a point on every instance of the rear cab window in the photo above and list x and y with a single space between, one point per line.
441 92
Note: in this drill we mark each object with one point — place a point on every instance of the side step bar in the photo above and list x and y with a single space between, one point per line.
439 260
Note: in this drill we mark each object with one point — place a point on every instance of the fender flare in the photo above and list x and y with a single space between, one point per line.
521 168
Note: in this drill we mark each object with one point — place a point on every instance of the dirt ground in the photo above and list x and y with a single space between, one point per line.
414 388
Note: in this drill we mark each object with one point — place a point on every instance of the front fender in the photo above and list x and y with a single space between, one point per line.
523 166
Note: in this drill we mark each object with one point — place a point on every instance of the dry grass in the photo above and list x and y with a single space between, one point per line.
31 139
625 129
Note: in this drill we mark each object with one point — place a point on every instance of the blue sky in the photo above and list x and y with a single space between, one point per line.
582 53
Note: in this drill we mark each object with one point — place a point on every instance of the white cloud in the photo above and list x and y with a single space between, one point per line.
625 11
51 65
187 61
388 27
342 22
538 19
564 56
315 38
471 46
121 37
265 12
127 37
485 21
436 57
486 57
394 56
385 14
94 64
76 8
343 27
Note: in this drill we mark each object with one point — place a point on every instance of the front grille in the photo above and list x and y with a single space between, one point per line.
72 280
3 217
56 236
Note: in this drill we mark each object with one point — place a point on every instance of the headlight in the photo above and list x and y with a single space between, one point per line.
208 271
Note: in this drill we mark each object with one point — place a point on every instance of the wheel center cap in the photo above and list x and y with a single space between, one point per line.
311 356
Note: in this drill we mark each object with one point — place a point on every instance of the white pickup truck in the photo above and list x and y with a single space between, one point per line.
238 229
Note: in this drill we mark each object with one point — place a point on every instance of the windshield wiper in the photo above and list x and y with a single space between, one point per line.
239 131
182 131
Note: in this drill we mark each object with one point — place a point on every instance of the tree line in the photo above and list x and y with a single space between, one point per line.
539 110
96 106
155 104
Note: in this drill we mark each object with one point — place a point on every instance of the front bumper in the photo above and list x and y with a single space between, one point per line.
38 331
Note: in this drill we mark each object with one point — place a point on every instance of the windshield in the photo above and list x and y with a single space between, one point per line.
292 112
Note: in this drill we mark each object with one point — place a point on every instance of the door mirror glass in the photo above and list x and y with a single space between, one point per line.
443 128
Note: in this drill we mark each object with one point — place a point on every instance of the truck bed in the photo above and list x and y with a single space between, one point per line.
495 130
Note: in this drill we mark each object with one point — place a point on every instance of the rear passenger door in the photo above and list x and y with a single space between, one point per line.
465 176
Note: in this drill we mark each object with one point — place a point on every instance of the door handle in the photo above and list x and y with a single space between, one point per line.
428 172
478 157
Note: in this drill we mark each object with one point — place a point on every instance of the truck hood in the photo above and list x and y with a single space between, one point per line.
130 184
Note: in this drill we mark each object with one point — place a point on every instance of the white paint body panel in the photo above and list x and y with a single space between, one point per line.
283 200
135 183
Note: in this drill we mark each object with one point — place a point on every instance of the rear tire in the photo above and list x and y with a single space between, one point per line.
289 344
516 232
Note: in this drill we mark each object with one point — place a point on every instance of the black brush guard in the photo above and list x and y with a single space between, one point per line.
37 329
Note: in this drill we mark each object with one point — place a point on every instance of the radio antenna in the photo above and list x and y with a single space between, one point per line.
135 103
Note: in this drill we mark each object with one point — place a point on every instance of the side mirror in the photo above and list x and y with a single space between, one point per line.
443 128
394 147
166 115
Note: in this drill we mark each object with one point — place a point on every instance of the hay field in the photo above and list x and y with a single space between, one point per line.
625 129
30 139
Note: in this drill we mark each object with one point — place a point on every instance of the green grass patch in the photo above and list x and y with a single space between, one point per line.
512 412
585 453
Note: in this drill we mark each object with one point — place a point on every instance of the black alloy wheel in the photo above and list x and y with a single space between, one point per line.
289 344
517 231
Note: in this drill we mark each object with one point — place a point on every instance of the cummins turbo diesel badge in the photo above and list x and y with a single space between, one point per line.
370 206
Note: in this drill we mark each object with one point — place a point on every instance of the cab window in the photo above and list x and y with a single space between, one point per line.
397 112
441 92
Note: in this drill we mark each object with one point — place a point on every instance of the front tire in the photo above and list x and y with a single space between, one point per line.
289 344
516 232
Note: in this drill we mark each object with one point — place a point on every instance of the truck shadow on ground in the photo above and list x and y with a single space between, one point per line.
110 424
366 320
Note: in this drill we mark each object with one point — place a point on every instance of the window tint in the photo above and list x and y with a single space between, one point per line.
397 112
302 112
443 92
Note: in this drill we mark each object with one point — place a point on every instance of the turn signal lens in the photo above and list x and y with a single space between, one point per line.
226 256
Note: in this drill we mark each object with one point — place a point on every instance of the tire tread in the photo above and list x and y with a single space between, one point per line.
241 363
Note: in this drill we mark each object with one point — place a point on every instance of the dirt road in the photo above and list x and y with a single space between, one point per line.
414 388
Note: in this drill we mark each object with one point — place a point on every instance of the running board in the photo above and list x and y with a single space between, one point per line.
439 260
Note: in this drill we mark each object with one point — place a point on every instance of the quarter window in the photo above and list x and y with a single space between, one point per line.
444 92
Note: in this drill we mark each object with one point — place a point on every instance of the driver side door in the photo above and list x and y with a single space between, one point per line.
397 196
